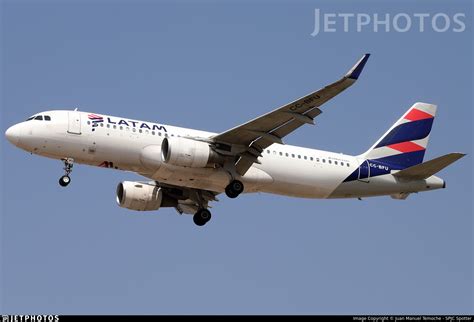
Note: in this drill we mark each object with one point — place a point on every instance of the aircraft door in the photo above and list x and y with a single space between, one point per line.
364 171
74 123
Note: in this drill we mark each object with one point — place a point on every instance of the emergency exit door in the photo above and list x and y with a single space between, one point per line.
74 125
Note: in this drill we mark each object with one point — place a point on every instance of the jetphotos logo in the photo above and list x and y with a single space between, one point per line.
386 22
30 318
111 121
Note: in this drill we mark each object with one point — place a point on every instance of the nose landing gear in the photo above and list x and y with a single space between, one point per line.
65 179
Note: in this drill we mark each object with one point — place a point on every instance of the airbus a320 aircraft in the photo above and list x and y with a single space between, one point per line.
189 168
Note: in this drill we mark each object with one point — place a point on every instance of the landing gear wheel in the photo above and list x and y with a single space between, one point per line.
234 189
64 181
201 217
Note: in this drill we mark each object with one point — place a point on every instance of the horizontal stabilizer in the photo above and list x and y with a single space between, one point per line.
427 169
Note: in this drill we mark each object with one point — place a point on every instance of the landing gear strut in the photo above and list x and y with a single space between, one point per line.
234 188
65 179
201 217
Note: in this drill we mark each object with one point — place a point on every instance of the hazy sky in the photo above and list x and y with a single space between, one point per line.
211 66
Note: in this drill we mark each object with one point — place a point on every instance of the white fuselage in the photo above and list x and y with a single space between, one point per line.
118 143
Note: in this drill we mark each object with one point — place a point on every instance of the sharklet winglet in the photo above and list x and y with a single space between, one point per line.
356 70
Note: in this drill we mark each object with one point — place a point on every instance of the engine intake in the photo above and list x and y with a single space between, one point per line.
142 196
189 153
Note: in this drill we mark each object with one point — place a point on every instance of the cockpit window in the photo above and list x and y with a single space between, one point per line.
39 118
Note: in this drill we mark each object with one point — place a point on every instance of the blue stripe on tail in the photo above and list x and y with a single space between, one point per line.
408 132
403 160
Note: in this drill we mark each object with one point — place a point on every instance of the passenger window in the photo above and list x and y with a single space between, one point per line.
299 156
121 127
348 164
335 162
317 159
342 163
101 124
159 133
88 122
305 157
311 158
115 126
39 118
324 160
140 130
134 130
329 161
47 118
292 155
286 154
281 153
108 125
152 132
268 151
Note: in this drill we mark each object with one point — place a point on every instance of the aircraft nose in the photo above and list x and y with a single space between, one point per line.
13 134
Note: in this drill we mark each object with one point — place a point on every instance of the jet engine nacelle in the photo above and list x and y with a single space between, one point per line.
188 153
142 196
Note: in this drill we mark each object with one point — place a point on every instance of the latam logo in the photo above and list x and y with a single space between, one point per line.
97 119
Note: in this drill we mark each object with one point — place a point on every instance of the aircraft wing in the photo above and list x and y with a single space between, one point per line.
259 133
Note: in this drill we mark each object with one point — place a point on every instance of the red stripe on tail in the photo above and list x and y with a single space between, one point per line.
416 115
406 147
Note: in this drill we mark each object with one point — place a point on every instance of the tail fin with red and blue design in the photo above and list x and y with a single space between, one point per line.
404 144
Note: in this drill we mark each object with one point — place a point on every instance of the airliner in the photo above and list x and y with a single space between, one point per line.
187 169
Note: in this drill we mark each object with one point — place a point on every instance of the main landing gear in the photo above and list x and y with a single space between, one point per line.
201 217
234 189
65 179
